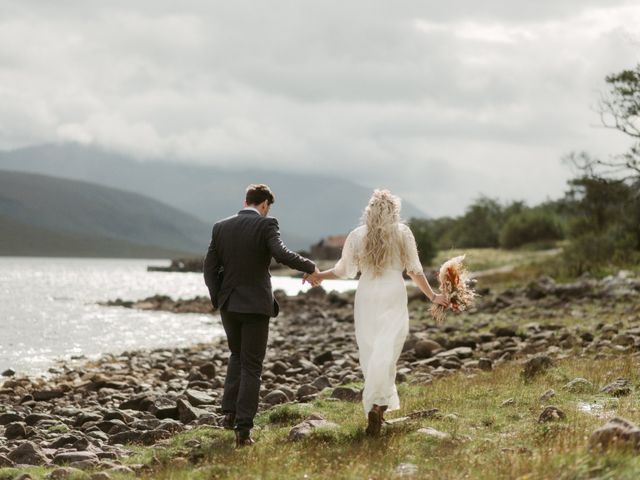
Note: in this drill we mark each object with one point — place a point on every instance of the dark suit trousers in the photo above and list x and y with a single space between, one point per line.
247 335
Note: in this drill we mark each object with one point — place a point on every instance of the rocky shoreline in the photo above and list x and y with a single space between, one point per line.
85 415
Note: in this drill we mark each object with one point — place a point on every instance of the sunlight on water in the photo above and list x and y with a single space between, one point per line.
48 309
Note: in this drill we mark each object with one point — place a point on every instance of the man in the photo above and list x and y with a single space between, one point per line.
236 271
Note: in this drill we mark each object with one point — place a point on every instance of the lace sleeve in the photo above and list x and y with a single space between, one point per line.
347 266
412 260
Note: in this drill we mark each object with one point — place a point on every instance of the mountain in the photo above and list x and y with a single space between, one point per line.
19 239
308 206
37 205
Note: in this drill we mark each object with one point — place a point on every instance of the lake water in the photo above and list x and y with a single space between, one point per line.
49 310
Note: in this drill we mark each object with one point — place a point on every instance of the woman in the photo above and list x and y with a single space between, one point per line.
381 249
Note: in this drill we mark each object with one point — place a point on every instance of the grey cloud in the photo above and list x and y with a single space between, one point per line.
440 102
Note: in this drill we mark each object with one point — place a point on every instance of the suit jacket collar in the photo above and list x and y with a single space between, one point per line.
248 212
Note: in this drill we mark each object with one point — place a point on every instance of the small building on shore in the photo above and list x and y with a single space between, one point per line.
329 248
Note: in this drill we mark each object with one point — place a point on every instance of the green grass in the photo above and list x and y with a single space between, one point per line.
488 441
479 259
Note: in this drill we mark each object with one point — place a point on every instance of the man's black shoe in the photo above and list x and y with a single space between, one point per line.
229 420
243 438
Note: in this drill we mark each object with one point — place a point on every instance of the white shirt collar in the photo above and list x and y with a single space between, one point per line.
251 208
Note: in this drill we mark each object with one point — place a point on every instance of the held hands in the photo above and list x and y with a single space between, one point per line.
315 279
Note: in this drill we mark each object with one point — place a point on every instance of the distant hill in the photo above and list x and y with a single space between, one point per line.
308 206
35 208
18 239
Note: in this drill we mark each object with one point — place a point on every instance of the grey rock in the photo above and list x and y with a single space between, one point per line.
101 476
197 397
306 428
153 436
64 458
275 397
620 388
485 364
433 433
458 352
10 417
504 331
547 395
46 395
33 418
406 470
279 368
15 430
578 385
622 339
125 438
187 412
323 357
536 366
5 461
28 453
9 372
208 370
550 414
616 432
425 348
346 394
306 390
321 383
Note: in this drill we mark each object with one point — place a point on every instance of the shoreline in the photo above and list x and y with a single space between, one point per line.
90 412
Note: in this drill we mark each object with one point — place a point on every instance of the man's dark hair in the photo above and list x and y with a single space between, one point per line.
258 193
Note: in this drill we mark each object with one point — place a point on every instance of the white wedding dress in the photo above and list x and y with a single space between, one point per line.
381 315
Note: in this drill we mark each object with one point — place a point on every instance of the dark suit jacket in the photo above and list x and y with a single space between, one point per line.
236 267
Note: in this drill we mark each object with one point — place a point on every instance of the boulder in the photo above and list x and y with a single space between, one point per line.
425 348
321 383
15 430
547 395
275 397
305 391
28 453
306 428
46 395
616 432
9 417
347 394
551 414
63 473
485 364
536 366
578 385
620 388
5 461
208 370
197 397
188 413
323 357
458 352
72 457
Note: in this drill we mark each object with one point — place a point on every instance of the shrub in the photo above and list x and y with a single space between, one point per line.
530 226
424 239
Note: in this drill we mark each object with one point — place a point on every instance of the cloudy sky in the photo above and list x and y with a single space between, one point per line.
439 101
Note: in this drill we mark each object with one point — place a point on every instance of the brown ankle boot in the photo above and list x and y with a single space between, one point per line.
375 421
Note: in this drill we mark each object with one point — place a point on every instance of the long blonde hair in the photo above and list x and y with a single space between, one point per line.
383 237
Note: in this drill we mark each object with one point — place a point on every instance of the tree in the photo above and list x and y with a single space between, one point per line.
619 109
424 239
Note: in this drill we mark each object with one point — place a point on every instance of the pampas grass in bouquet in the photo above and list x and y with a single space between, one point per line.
456 286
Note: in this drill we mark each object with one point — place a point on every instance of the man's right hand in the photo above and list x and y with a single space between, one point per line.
313 278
